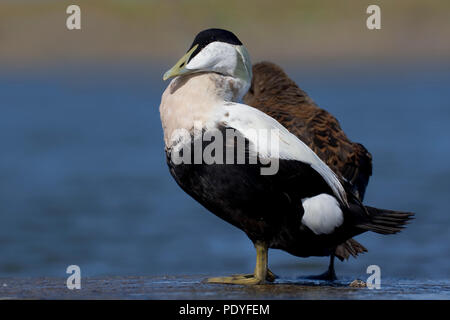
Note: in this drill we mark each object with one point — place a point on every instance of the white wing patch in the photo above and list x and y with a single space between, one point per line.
244 118
322 214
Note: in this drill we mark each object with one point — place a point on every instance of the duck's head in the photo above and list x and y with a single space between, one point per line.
218 51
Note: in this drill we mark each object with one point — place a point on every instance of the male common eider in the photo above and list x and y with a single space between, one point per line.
248 169
274 93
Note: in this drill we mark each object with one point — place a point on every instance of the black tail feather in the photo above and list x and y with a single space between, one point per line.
386 221
349 247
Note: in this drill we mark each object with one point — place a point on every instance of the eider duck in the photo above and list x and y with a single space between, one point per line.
250 170
274 93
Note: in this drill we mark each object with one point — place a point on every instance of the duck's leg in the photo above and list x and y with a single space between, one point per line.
261 274
329 275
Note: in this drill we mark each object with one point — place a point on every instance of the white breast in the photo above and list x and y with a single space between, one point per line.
194 98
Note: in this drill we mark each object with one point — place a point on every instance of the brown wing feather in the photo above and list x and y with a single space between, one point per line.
274 93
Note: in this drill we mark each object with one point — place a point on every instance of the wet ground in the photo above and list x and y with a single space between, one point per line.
192 287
